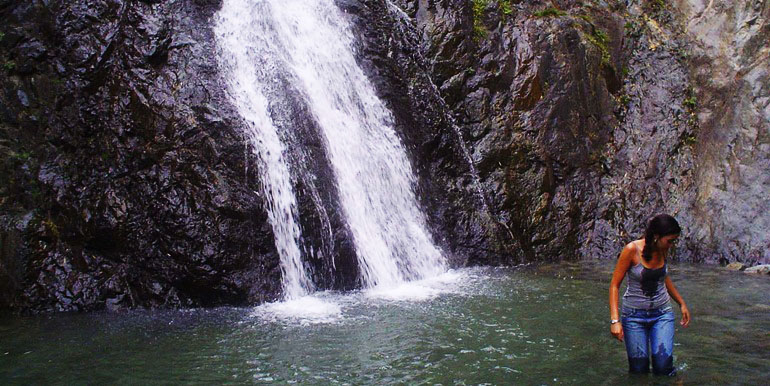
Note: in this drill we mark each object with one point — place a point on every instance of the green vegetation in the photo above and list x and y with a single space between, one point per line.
550 12
601 36
23 156
51 226
10 65
479 6
2 35
600 39
688 138
479 31
690 102
625 99
506 7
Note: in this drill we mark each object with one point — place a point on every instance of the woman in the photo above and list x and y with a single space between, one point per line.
647 319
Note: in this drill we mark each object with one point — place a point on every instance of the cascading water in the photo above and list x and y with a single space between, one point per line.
312 41
238 55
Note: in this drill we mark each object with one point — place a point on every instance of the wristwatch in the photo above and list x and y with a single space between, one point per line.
613 321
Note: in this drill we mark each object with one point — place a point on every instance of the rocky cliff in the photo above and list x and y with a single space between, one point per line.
130 182
587 117
127 179
539 130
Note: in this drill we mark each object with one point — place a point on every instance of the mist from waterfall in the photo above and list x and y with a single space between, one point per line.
312 41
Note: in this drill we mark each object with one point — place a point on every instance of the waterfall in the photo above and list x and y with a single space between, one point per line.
312 41
239 51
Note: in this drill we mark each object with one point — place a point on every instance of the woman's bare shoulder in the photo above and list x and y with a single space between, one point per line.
631 251
632 246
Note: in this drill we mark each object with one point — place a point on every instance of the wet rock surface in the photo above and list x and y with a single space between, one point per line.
129 183
448 186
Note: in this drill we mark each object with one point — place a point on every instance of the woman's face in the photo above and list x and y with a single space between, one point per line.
666 242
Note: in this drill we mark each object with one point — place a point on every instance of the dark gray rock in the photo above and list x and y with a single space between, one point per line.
129 161
535 97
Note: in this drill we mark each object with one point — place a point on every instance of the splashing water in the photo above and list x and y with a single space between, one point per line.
311 40
240 48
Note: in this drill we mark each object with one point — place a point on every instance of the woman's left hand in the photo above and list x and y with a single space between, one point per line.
685 316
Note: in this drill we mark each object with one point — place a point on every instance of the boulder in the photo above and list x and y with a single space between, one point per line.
736 266
759 269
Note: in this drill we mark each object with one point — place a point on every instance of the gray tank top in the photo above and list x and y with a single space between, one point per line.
646 287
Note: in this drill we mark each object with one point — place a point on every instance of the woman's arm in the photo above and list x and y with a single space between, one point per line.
678 298
624 261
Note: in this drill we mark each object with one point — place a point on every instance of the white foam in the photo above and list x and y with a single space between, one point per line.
419 290
306 310
331 307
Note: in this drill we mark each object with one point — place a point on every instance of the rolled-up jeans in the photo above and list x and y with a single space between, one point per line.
645 329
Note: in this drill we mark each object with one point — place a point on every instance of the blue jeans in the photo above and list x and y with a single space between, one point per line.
644 329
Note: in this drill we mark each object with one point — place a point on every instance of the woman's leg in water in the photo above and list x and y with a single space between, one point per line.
662 344
636 335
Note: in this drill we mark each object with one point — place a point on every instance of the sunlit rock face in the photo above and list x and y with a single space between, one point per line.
730 68
587 118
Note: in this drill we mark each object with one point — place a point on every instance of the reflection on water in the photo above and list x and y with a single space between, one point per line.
535 325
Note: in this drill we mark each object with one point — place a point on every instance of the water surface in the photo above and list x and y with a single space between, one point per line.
532 325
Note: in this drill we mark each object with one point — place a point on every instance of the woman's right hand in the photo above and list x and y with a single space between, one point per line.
616 329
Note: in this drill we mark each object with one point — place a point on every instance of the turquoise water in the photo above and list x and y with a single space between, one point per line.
532 325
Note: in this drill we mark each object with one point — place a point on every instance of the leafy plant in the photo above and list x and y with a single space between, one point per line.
690 102
506 7
625 99
600 39
689 139
22 156
479 31
51 226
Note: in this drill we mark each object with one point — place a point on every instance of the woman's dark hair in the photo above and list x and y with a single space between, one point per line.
659 226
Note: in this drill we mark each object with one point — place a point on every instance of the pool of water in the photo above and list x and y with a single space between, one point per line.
530 325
